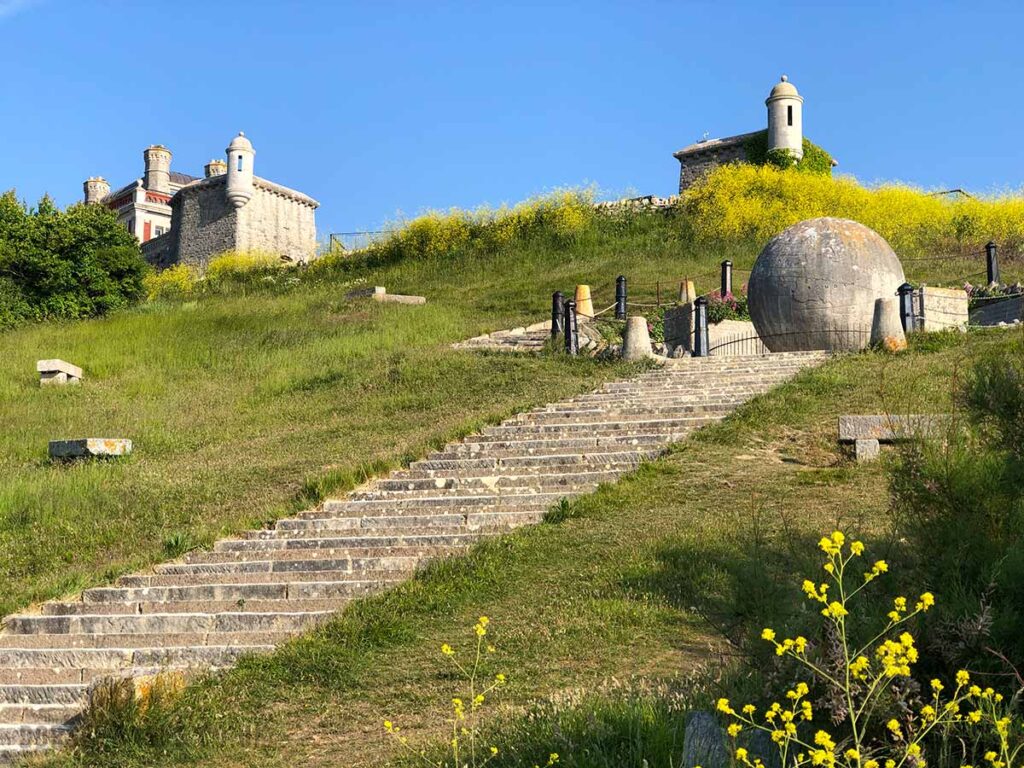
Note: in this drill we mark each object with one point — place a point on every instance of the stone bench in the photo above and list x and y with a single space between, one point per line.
89 447
380 294
866 433
57 373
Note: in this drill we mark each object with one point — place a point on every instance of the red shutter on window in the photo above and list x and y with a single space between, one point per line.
146 232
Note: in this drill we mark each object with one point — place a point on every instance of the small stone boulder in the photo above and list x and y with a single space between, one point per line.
89 447
886 326
704 742
637 342
381 294
57 373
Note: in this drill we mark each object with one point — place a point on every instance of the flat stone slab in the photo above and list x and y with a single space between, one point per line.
89 447
398 298
57 372
889 428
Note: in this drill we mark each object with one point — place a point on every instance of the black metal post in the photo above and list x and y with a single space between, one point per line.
700 328
726 278
906 294
572 331
557 326
992 263
620 297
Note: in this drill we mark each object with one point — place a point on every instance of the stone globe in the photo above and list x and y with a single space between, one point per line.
814 285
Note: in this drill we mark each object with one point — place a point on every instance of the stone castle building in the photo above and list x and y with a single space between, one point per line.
184 219
785 131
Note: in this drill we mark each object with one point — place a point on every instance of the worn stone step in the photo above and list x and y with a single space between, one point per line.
541 446
159 623
237 605
55 714
22 734
410 524
572 413
44 694
340 542
221 592
256 579
394 502
78 659
56 676
514 493
595 427
458 467
424 481
242 640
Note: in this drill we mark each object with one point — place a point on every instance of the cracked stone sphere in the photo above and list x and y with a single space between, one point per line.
814 285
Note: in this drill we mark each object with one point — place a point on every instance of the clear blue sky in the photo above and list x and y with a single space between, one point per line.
381 107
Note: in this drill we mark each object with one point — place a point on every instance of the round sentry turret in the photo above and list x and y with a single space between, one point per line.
240 157
96 188
158 168
215 168
785 118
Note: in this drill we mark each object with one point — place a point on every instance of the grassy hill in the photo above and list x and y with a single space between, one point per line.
253 401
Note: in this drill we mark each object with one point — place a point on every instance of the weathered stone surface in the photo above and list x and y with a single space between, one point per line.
636 344
397 298
866 450
886 326
890 428
89 447
57 372
760 746
814 285
996 311
942 308
704 742
678 326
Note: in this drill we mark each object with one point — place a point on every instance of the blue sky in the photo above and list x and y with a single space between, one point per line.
378 108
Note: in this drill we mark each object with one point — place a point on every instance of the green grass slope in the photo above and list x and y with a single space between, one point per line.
664 574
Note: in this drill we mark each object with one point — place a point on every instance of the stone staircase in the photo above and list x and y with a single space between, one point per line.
255 591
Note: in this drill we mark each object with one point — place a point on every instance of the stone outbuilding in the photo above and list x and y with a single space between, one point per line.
785 132
230 209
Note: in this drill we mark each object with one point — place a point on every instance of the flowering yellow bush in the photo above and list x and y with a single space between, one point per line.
235 263
740 202
863 681
177 282
464 716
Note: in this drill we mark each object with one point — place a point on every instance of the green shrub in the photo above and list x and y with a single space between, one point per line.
815 160
65 264
960 502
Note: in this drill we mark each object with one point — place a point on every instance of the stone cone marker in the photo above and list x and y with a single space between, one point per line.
637 342
584 304
886 326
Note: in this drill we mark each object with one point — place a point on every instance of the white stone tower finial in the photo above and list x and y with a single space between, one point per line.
158 168
785 118
240 157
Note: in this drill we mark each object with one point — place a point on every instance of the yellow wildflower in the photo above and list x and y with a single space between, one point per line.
963 677
734 729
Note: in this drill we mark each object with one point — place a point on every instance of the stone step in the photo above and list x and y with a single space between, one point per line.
55 714
506 479
243 640
409 524
158 623
340 542
556 445
513 493
44 694
395 502
595 427
79 659
55 676
220 592
583 411
32 734
238 605
545 463
256 579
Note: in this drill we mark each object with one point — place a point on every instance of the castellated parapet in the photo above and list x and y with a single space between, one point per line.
96 188
157 175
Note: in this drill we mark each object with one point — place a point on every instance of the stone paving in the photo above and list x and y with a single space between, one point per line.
252 592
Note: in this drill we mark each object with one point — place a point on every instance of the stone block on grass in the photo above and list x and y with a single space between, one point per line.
89 447
57 372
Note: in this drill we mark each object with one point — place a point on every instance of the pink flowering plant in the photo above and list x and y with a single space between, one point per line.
731 306
865 680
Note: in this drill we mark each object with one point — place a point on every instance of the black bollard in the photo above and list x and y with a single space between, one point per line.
906 294
572 331
992 263
620 297
700 328
726 278
557 327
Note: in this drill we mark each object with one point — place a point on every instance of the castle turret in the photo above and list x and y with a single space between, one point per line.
785 118
96 188
240 161
215 168
158 169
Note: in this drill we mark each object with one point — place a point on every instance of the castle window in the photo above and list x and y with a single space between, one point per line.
240 157
789 117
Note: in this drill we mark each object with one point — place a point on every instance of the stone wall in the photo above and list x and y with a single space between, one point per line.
941 308
204 224
993 312
274 223
159 251
698 159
